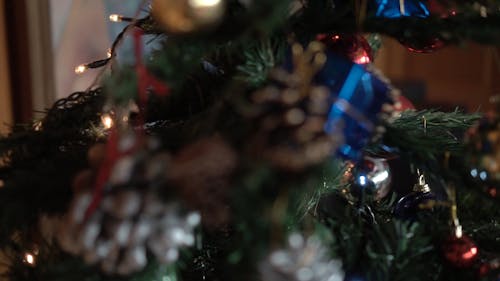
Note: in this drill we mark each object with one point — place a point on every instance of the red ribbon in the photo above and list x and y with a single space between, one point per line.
144 80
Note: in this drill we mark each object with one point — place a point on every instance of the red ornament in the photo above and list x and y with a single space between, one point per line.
442 8
403 103
489 267
493 191
422 45
353 46
460 251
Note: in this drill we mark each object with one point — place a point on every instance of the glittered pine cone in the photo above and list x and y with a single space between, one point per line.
130 219
289 130
202 172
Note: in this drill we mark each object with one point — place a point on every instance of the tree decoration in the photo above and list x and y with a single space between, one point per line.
325 105
373 176
202 172
410 205
403 103
353 46
305 259
422 45
290 120
442 8
360 98
458 249
187 16
116 214
401 8
490 268
410 8
255 154
482 159
130 219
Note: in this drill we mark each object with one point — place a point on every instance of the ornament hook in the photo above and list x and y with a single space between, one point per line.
422 185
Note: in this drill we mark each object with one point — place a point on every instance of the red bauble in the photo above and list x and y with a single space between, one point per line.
422 45
353 46
460 251
403 103
442 8
489 268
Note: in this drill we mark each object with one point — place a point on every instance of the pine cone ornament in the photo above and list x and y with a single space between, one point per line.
202 172
290 116
303 260
130 219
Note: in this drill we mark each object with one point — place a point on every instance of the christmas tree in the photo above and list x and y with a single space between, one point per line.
258 142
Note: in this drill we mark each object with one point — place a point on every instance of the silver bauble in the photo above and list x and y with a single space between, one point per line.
373 174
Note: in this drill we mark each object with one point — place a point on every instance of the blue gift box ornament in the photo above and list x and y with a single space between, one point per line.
357 99
401 8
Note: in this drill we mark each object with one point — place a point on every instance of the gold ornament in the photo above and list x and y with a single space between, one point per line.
186 16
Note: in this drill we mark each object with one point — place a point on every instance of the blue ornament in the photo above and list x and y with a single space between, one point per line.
357 97
356 100
409 206
401 8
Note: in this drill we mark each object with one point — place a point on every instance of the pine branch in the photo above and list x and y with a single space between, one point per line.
259 60
472 23
428 133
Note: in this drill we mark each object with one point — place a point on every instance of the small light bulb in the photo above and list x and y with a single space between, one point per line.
29 258
109 53
458 231
115 18
80 69
37 126
204 3
107 121
363 59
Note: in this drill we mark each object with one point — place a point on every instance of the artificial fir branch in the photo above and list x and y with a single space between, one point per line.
470 24
428 133
41 162
259 60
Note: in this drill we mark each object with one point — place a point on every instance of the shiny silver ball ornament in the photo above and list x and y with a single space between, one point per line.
373 176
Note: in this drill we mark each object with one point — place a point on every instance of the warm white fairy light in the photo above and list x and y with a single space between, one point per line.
107 121
29 258
363 59
37 126
80 69
115 18
109 53
458 231
204 3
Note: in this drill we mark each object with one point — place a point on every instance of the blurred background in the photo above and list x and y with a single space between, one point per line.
42 41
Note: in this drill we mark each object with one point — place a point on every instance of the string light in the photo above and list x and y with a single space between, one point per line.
204 3
363 59
81 69
37 126
29 258
115 18
470 254
119 18
109 53
107 121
